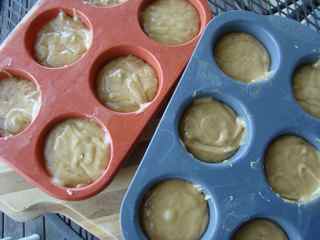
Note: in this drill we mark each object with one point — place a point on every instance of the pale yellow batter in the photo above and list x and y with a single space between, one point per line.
76 152
171 21
260 229
211 131
109 3
127 84
306 88
292 167
19 105
62 41
174 210
242 57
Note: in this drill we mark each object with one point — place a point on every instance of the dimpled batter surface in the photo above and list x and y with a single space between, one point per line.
260 230
293 168
62 41
171 21
174 210
242 57
19 105
105 2
126 84
211 131
76 152
306 88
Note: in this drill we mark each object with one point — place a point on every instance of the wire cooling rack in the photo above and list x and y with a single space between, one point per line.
305 11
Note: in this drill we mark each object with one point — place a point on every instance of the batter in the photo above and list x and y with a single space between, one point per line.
76 152
260 229
292 167
306 88
171 21
211 131
108 3
174 210
127 84
19 105
242 57
62 41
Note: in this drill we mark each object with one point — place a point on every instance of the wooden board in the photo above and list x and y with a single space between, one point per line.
99 215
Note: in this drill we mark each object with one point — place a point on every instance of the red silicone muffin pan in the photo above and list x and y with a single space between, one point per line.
69 91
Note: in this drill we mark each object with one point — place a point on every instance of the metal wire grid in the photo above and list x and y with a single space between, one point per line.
301 10
313 18
305 11
11 12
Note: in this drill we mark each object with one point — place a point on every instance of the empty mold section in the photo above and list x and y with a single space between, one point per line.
137 77
240 186
69 91
21 101
78 34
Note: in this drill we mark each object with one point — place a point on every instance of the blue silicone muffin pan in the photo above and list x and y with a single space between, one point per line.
237 189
